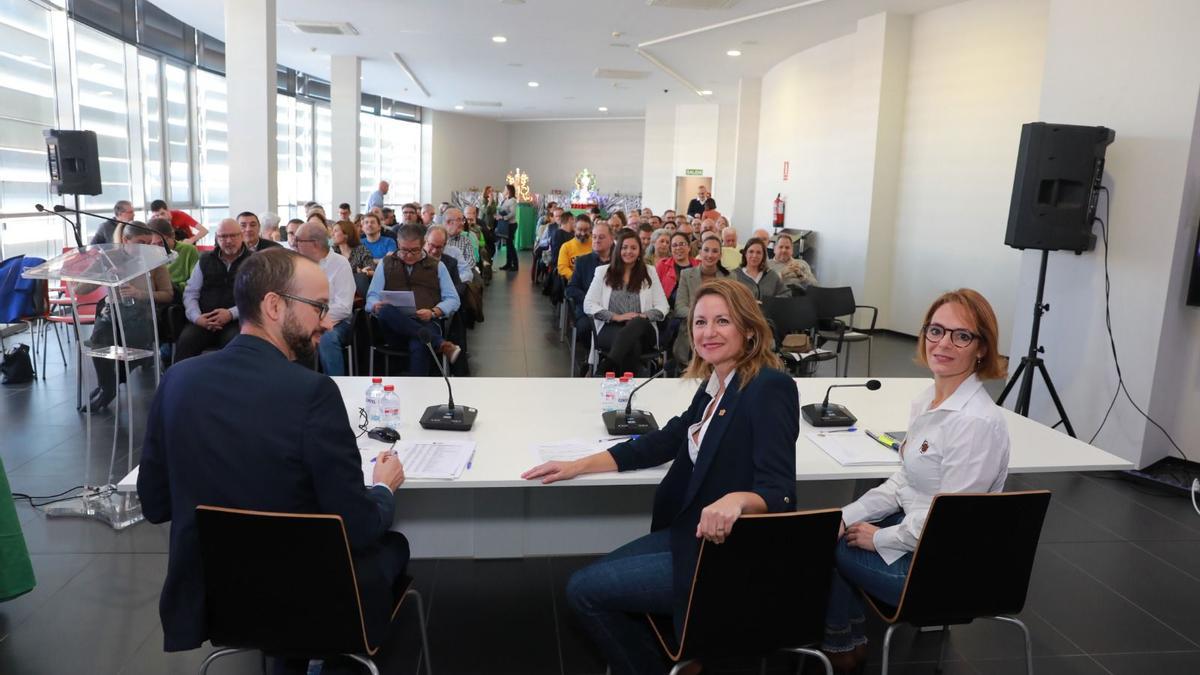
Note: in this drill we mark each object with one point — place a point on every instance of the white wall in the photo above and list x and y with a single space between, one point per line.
975 74
552 153
463 152
1132 68
658 157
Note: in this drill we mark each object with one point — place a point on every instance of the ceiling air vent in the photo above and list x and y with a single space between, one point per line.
322 27
693 4
483 104
616 74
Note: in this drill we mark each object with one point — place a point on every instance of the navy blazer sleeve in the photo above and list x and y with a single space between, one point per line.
775 418
577 287
153 489
662 446
336 468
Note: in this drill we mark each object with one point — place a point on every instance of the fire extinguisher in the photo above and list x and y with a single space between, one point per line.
779 209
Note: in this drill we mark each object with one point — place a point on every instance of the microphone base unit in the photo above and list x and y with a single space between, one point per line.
833 415
636 423
445 418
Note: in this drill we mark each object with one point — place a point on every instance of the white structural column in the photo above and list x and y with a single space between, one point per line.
345 100
250 44
1131 68
741 209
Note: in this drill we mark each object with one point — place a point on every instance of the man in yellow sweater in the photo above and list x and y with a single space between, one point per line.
580 245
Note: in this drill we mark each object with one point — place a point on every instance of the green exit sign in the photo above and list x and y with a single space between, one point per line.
694 172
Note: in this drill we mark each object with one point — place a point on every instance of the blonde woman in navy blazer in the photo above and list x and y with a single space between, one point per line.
734 452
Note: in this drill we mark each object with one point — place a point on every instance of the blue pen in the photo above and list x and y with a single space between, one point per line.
841 431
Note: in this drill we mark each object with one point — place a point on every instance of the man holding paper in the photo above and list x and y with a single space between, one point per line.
433 297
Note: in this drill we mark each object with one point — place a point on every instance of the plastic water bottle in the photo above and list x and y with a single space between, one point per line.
608 392
623 390
391 407
374 406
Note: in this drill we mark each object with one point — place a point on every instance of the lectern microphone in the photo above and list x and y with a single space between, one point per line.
828 414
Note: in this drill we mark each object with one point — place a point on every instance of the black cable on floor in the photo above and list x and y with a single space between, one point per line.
54 499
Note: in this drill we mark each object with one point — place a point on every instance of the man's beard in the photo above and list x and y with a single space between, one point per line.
299 341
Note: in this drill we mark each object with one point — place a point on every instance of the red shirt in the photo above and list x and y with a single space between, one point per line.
182 221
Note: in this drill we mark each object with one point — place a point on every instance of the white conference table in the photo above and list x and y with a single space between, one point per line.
491 512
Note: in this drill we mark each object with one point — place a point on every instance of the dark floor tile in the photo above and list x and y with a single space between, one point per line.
874 667
908 644
1064 523
51 573
94 624
45 534
482 608
983 639
1050 665
1182 663
1091 615
1169 503
1120 514
1170 595
1184 555
150 659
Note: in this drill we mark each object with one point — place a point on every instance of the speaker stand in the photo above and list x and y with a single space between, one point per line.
1032 362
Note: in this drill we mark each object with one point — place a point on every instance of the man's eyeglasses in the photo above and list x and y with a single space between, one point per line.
307 241
959 337
410 251
322 307
229 236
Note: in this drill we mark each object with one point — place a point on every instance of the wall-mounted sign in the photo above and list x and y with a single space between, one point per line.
785 169
694 172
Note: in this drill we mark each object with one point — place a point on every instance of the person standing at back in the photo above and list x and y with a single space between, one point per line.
376 198
506 226
305 460
702 202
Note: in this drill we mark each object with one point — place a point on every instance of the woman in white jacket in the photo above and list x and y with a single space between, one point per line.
625 301
956 441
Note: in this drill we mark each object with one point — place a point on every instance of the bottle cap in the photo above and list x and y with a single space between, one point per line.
390 387
625 378
376 380
609 374
628 375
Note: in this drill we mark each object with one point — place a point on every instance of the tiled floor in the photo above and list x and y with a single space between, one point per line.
1116 588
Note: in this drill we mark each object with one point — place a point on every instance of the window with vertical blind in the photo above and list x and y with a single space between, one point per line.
149 90
212 125
179 132
390 150
322 161
101 107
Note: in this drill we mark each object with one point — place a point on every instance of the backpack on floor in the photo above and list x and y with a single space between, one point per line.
16 367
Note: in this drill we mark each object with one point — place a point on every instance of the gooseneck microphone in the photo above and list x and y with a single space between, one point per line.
133 225
73 224
447 417
831 414
631 422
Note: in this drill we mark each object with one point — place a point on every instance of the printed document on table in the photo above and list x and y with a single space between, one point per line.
445 460
573 448
853 448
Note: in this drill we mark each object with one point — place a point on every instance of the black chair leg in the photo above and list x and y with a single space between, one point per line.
216 655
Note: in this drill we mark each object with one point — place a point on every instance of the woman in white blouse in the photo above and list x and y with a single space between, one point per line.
625 301
956 441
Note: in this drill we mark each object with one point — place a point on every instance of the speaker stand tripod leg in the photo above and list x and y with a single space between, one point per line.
1062 413
1011 381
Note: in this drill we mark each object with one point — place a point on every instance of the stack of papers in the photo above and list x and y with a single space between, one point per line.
853 448
442 460
573 448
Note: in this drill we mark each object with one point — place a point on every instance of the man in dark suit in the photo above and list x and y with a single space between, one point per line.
222 454
585 270
703 202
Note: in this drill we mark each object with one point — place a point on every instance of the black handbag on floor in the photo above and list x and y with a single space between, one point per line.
16 367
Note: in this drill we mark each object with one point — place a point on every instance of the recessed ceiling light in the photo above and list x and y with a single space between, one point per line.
515 65
706 92
499 39
602 109
733 52
533 84
458 107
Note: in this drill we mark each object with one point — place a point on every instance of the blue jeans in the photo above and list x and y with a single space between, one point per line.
334 340
611 596
858 569
400 327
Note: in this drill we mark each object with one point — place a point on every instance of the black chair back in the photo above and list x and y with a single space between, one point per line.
833 302
974 558
790 315
765 588
277 582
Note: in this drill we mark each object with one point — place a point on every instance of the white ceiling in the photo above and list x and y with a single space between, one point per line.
558 43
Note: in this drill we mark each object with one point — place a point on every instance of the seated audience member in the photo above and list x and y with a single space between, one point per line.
545 234
688 285
762 235
459 244
270 227
389 218
377 244
319 218
427 214
136 328
585 269
762 282
435 247
291 232
617 220
682 219
473 226
208 296
660 250
646 234
709 225
565 233
311 208
957 441
408 215
794 272
625 301
580 244
724 466
410 269
669 269
731 257
344 212
313 243
250 232
668 216
206 443
186 227
105 234
347 244
186 256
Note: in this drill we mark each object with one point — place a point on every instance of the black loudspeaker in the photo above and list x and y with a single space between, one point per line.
1059 168
74 161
